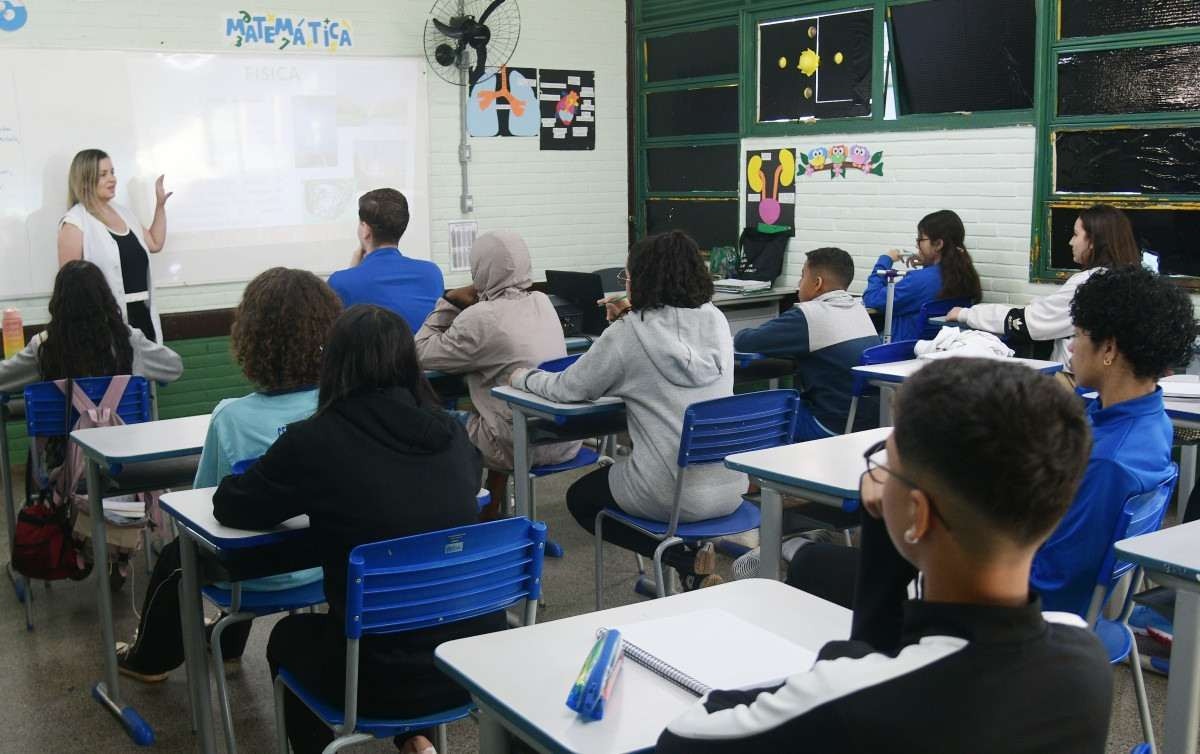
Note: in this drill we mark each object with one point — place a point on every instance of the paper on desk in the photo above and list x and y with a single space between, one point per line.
125 507
719 649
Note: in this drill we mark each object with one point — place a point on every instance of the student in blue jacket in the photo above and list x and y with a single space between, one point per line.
946 271
825 335
1131 327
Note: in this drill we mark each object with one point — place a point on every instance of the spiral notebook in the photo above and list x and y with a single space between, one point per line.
712 649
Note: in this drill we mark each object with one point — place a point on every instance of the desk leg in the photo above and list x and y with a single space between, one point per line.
521 464
1183 686
770 534
886 393
493 738
1187 476
191 615
10 513
108 691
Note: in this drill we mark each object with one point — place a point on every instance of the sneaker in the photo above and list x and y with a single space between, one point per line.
1148 622
693 581
124 668
746 565
706 559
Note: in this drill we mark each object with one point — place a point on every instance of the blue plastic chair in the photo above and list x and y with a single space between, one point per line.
1141 514
900 350
585 457
46 416
418 582
938 308
711 430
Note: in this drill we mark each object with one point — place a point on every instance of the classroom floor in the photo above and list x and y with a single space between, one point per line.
46 675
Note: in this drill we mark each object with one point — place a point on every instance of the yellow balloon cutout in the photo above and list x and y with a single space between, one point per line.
782 62
787 161
809 62
754 174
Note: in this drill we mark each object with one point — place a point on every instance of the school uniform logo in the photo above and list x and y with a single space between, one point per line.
13 15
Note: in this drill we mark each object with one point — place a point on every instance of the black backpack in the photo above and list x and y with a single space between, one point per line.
762 254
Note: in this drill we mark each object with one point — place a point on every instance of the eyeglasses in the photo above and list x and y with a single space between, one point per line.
878 474
623 277
920 239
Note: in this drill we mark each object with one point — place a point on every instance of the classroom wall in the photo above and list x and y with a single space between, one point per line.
985 175
570 206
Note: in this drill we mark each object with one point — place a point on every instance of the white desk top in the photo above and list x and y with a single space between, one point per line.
516 397
525 673
831 465
149 441
1174 551
898 371
194 510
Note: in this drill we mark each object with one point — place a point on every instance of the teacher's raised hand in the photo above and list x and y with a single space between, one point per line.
161 195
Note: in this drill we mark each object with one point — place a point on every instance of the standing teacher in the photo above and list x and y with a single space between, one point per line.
103 232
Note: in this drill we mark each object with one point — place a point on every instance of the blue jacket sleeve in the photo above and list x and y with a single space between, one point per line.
1065 567
786 335
876 294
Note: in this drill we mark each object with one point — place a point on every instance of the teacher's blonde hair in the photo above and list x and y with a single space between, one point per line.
83 177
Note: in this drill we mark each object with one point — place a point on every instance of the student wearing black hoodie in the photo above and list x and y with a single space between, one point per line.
378 460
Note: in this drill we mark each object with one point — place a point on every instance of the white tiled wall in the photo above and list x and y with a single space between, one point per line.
570 206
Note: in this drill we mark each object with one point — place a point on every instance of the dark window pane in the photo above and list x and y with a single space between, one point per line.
839 45
954 56
1143 161
1168 233
710 52
692 111
1089 18
713 168
712 222
1134 80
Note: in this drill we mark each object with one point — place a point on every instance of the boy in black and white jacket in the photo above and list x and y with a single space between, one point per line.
962 493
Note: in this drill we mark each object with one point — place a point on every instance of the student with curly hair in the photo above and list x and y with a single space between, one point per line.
87 337
278 337
1131 327
667 348
946 271
1103 239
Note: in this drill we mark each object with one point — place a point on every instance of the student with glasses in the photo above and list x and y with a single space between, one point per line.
946 271
971 664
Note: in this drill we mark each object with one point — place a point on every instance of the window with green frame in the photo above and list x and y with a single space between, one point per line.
1119 123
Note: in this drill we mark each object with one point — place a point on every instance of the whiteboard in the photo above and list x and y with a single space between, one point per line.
267 155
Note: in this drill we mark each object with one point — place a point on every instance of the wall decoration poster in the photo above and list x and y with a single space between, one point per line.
771 189
815 66
568 105
504 103
838 160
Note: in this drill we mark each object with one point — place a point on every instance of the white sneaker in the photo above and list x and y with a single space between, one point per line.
746 566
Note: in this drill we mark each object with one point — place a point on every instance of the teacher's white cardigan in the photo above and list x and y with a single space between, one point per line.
100 249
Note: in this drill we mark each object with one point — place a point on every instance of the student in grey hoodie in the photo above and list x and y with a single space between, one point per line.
825 335
667 348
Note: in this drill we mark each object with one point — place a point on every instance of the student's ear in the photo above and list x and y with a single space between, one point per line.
920 516
1109 352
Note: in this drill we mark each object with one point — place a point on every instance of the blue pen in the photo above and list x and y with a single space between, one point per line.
599 683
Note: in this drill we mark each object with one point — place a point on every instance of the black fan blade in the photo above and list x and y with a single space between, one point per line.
480 62
494 5
454 32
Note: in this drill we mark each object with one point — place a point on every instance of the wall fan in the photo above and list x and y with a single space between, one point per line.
466 40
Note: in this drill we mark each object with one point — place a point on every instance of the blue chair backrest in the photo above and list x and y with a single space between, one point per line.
444 576
46 405
739 423
885 353
1142 513
808 428
560 364
939 308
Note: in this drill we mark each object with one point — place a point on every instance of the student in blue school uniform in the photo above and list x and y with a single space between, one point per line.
1131 327
972 665
379 274
946 271
825 335
279 331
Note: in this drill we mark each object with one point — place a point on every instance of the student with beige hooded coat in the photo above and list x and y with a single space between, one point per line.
485 331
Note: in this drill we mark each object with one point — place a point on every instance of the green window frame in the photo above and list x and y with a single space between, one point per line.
1049 123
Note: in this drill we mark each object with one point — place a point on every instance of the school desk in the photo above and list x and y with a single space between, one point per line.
889 376
1172 557
131 446
824 471
519 678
